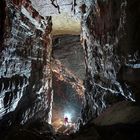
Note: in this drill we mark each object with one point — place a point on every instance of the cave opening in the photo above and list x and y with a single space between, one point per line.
68 68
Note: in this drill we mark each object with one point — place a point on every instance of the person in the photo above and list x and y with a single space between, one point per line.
66 120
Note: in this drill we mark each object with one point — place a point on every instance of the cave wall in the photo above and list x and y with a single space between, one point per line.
69 51
110 37
68 76
25 70
66 100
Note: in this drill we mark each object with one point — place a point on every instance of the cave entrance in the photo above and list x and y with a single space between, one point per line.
68 67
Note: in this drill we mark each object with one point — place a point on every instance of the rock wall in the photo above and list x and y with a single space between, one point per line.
110 31
69 51
25 69
110 37
66 100
57 7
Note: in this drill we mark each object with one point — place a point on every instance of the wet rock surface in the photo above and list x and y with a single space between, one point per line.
66 100
111 63
25 54
57 7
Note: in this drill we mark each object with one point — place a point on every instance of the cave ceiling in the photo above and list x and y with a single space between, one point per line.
65 15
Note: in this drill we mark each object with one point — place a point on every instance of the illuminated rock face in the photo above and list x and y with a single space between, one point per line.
110 38
69 51
66 101
68 75
25 83
53 7
25 76
65 15
111 46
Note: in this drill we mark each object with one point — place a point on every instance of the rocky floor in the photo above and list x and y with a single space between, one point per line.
88 132
120 122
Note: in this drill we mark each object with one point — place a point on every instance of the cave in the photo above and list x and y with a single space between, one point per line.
69 69
68 73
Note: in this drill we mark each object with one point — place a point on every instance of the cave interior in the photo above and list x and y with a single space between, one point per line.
69 69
